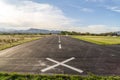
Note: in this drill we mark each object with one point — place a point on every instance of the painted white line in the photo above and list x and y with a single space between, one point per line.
59 39
58 63
61 63
70 67
51 67
60 47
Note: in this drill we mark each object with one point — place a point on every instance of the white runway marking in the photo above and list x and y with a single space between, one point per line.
61 63
59 41
60 47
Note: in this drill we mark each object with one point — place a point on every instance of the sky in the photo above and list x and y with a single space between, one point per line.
94 16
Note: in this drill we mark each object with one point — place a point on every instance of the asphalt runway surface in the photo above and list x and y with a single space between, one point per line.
61 55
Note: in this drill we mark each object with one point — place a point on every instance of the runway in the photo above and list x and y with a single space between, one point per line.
61 55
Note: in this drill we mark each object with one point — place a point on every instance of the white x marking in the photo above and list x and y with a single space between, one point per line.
61 63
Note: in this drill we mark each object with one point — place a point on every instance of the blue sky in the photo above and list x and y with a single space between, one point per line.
89 11
95 16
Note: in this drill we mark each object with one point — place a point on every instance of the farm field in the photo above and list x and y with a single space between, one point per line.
101 40
7 41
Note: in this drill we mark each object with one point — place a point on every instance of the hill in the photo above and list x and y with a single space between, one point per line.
31 30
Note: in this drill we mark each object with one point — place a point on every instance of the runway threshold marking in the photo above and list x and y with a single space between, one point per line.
62 64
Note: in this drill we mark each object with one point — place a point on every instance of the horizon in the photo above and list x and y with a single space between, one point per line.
94 16
4 30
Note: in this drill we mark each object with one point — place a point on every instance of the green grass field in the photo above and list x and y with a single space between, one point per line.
13 76
102 40
7 41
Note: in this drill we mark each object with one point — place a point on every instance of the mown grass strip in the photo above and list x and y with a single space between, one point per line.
101 40
14 76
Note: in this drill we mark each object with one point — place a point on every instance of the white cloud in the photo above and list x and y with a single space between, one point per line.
32 14
98 28
45 16
114 8
86 10
83 9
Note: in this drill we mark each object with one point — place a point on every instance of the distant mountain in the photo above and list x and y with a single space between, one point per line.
2 30
31 30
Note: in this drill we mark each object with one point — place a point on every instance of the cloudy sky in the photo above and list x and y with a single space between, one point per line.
94 16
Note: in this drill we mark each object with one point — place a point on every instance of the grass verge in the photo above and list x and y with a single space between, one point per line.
14 76
101 40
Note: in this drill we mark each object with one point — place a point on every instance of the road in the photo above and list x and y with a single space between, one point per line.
61 55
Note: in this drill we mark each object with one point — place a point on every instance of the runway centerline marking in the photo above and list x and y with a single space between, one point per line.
59 41
60 47
62 64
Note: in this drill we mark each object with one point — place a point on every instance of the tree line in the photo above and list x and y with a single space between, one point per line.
66 33
87 33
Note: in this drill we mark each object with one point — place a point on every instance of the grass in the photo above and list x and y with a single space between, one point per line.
14 76
101 40
7 41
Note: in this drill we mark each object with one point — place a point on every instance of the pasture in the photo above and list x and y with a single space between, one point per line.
101 40
7 41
